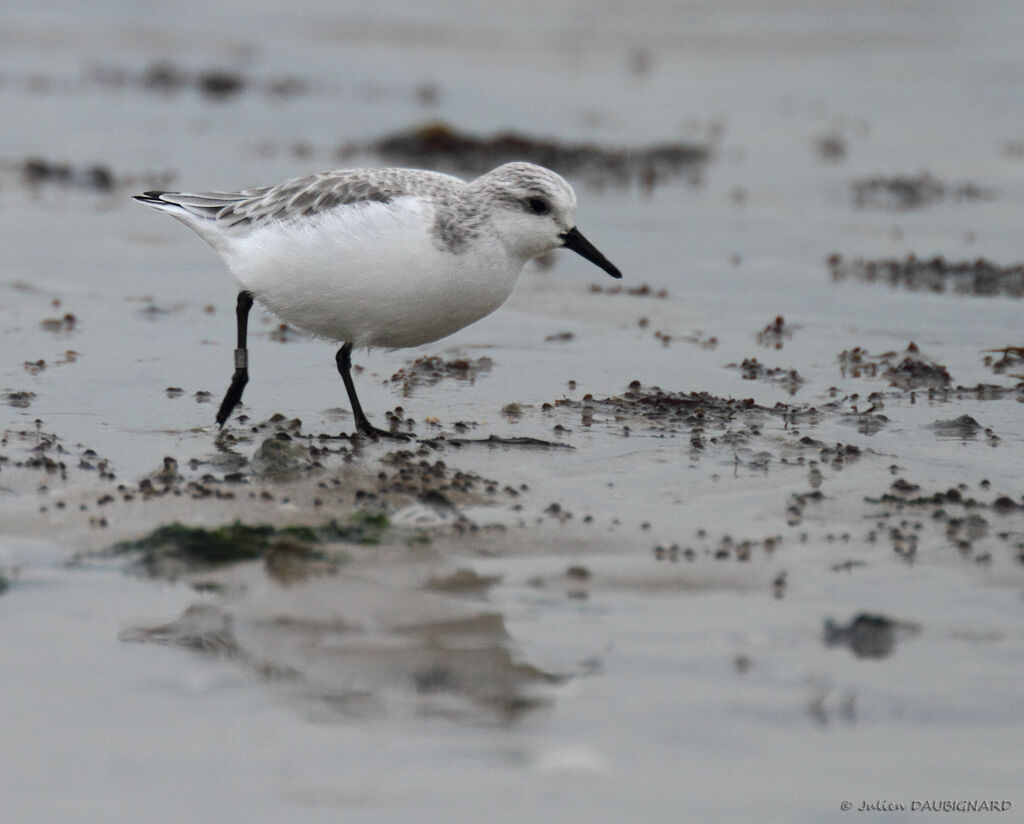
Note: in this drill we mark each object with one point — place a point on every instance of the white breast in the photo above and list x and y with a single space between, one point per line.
372 274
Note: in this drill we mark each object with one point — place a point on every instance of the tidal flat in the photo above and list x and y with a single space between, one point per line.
738 539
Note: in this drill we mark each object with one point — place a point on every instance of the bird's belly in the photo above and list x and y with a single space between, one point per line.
388 294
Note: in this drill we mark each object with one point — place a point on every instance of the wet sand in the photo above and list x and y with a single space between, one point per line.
740 540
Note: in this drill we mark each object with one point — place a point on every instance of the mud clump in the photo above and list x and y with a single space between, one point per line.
46 452
280 456
859 363
726 549
1012 358
665 408
217 84
36 172
912 373
18 399
964 427
980 391
707 420
666 339
285 454
867 635
776 333
980 277
831 147
463 581
439 144
431 369
496 441
836 456
62 324
907 513
408 473
903 493
641 291
903 192
752 369
905 370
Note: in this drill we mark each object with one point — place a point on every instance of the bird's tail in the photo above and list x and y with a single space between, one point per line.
154 199
197 211
202 206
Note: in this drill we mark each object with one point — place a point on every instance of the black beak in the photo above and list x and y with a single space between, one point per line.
573 239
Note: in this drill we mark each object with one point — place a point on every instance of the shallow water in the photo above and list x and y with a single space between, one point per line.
592 675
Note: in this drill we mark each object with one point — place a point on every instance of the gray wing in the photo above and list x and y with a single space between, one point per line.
303 196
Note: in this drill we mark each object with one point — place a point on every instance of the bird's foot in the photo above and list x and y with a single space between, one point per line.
368 430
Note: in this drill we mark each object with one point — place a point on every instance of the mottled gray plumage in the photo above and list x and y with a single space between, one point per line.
462 208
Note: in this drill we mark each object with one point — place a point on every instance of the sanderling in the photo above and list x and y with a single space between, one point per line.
380 257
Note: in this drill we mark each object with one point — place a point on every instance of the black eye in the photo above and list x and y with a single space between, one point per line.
538 206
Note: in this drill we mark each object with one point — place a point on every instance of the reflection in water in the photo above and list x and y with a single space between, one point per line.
364 647
869 636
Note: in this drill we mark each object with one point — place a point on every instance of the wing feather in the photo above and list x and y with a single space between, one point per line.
299 198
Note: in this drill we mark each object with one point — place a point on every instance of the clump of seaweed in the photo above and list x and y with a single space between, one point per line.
172 550
706 419
438 144
902 192
980 277
752 369
214 83
776 333
431 369
1012 358
906 370
38 171
867 635
641 291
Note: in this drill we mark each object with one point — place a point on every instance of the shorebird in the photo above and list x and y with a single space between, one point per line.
380 257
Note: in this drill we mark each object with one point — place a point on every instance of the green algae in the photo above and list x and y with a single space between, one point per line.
176 548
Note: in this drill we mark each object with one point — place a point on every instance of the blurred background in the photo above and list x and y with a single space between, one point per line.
723 153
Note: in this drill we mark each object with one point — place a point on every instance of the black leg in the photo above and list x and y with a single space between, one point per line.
344 361
241 376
